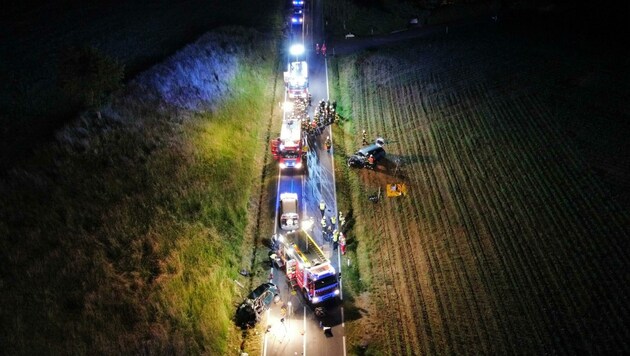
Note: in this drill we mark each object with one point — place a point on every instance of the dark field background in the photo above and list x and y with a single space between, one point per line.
113 234
136 33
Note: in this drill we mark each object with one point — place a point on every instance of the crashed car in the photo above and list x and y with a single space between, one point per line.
256 303
360 158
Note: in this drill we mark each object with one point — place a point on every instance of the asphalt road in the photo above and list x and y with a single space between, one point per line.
301 333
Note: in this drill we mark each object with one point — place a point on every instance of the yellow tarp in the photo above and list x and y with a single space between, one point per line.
396 190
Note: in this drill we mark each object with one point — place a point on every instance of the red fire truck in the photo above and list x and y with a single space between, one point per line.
287 149
296 80
306 266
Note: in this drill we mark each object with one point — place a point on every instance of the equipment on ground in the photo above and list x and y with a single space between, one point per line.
396 190
306 266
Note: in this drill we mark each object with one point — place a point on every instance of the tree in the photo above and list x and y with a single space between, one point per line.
88 77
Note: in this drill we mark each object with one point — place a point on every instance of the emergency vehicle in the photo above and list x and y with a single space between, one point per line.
306 266
287 149
289 218
296 80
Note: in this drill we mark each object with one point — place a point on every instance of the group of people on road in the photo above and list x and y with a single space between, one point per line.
321 49
333 232
325 115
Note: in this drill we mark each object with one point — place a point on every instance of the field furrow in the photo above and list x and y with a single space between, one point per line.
508 242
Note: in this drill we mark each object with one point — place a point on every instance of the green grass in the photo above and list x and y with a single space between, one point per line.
126 236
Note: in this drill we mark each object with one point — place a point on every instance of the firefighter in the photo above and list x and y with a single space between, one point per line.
364 138
322 207
324 49
342 244
371 161
304 149
328 144
317 48
342 219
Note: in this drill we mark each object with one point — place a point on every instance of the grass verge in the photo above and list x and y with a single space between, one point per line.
126 236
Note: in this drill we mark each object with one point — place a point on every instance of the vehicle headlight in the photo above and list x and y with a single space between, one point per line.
336 291
283 166
298 165
316 299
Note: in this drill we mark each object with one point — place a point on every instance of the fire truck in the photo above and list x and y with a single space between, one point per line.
287 149
296 80
306 266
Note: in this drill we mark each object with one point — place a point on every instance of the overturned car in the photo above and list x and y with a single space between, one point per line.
361 159
257 302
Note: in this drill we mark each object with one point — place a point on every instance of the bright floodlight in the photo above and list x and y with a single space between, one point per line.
287 106
296 49
307 224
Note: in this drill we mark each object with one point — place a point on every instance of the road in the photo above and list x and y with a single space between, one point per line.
300 333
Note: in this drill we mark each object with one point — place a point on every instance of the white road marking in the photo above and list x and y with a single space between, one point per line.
326 68
343 323
265 338
304 336
275 231
339 263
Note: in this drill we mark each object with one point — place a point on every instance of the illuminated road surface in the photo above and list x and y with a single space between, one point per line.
300 332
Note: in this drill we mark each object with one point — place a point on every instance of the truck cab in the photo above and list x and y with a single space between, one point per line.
296 79
307 267
287 149
289 218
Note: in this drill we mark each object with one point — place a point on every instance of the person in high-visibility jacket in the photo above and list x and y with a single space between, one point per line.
335 239
323 223
342 219
364 139
322 207
333 220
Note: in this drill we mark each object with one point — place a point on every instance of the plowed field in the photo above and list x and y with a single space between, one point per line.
509 242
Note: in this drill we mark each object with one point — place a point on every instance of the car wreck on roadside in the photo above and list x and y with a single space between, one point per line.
257 302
